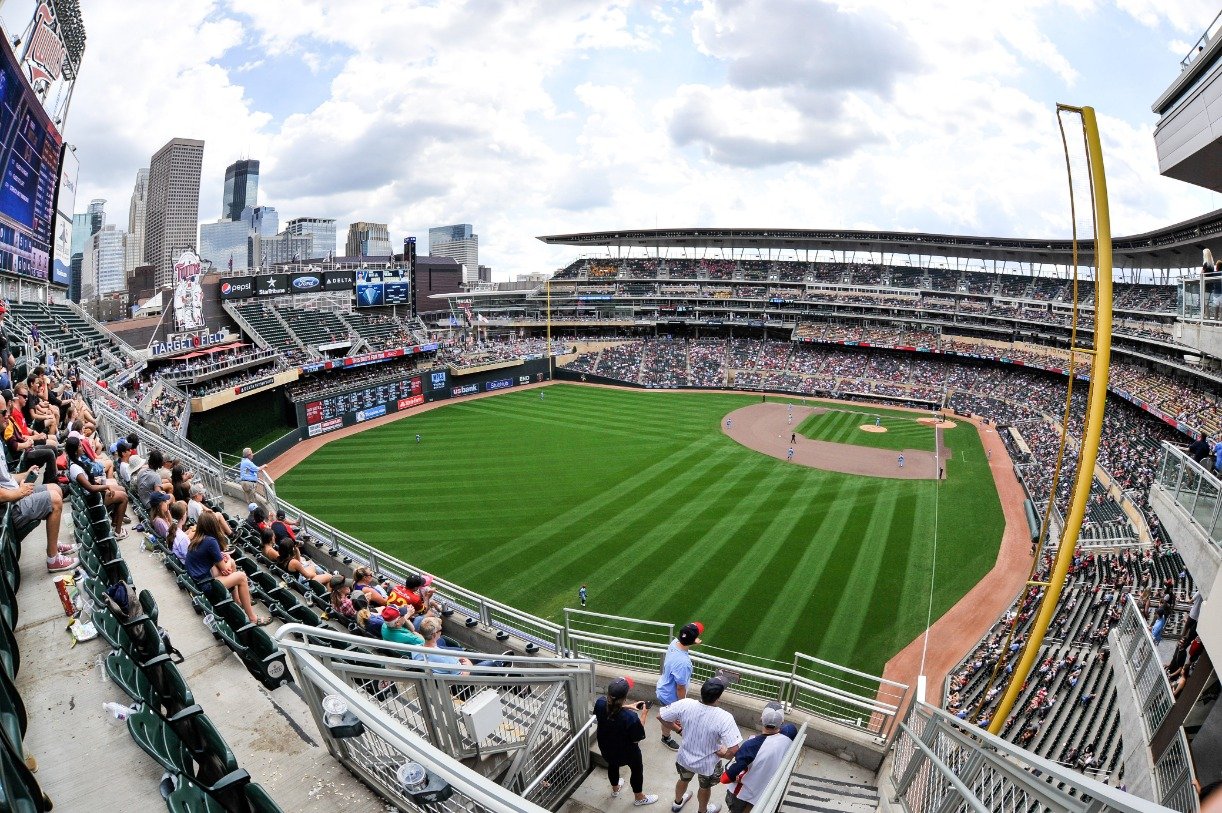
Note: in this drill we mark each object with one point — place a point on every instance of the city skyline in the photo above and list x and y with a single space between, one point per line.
631 115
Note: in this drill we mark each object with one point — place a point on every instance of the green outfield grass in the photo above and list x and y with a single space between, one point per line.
641 496
843 425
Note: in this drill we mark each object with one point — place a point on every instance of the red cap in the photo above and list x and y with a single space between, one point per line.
389 613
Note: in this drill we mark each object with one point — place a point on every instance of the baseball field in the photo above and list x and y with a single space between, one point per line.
643 498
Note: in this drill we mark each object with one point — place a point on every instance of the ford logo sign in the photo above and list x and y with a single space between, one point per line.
305 283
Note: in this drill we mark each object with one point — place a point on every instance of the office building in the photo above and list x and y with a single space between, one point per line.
226 243
281 248
171 222
84 226
241 189
459 242
135 220
368 240
103 264
322 229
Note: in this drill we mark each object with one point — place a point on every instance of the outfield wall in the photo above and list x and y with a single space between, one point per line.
360 404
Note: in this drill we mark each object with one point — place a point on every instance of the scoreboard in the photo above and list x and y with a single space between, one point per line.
376 287
334 411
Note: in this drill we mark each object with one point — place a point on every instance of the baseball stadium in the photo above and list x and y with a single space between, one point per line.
930 519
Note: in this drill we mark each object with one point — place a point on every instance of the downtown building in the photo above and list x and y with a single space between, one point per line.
368 240
460 243
227 244
172 213
103 264
84 226
241 188
137 208
321 229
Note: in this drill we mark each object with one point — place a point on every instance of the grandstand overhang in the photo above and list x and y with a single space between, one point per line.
1172 247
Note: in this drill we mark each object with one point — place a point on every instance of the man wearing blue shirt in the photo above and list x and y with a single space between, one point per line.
248 475
677 672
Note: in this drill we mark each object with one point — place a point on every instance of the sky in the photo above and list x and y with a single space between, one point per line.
557 116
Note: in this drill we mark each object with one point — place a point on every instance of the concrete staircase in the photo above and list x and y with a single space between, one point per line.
814 794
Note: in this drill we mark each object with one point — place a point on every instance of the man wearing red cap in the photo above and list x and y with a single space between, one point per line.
620 729
677 673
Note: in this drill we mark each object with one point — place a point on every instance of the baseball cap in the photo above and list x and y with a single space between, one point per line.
710 690
280 513
121 447
389 613
619 687
158 496
690 634
772 717
253 507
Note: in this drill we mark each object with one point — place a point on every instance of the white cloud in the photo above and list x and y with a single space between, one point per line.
547 116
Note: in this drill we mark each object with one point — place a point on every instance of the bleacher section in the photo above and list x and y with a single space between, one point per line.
268 327
314 327
75 336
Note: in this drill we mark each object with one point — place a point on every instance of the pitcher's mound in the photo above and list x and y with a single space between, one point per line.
941 423
869 427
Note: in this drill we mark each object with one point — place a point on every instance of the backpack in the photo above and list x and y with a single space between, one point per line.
122 601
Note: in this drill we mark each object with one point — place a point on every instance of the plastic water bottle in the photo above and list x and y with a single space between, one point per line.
119 711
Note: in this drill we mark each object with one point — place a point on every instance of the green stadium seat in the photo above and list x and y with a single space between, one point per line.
19 790
12 709
10 655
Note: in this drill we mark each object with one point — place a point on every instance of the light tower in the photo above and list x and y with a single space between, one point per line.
52 46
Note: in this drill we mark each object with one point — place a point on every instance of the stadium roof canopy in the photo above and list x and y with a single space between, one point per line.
1172 247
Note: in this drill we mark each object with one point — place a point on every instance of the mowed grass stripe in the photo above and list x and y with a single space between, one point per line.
641 496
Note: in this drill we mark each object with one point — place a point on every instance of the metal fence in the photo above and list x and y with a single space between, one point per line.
1140 658
1196 490
383 748
1173 776
942 763
836 693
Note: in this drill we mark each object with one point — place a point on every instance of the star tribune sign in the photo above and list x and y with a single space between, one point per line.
44 58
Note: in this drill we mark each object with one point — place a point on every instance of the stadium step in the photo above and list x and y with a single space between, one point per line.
816 794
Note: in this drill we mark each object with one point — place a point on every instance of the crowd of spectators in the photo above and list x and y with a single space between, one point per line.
1071 674
214 362
1154 299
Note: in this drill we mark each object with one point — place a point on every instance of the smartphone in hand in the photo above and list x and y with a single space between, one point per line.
32 474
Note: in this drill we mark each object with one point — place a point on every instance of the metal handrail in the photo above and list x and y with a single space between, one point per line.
474 786
580 740
1014 772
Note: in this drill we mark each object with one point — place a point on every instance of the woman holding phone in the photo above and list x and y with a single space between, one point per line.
620 729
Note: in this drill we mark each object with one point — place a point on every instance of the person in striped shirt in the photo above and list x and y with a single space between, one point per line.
709 736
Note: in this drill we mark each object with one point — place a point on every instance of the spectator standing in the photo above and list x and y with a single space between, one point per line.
757 761
620 730
709 735
677 674
248 475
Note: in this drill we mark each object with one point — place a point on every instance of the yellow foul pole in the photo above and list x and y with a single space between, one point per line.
1096 401
550 372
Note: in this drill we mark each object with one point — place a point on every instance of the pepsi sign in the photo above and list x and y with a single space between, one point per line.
237 287
303 283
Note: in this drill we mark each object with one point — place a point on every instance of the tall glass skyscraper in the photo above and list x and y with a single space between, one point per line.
460 243
241 188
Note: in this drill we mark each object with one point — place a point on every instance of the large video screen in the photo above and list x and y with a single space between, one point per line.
376 287
29 174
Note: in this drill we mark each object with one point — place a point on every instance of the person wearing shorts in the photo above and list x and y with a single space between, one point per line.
34 503
709 736
676 674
